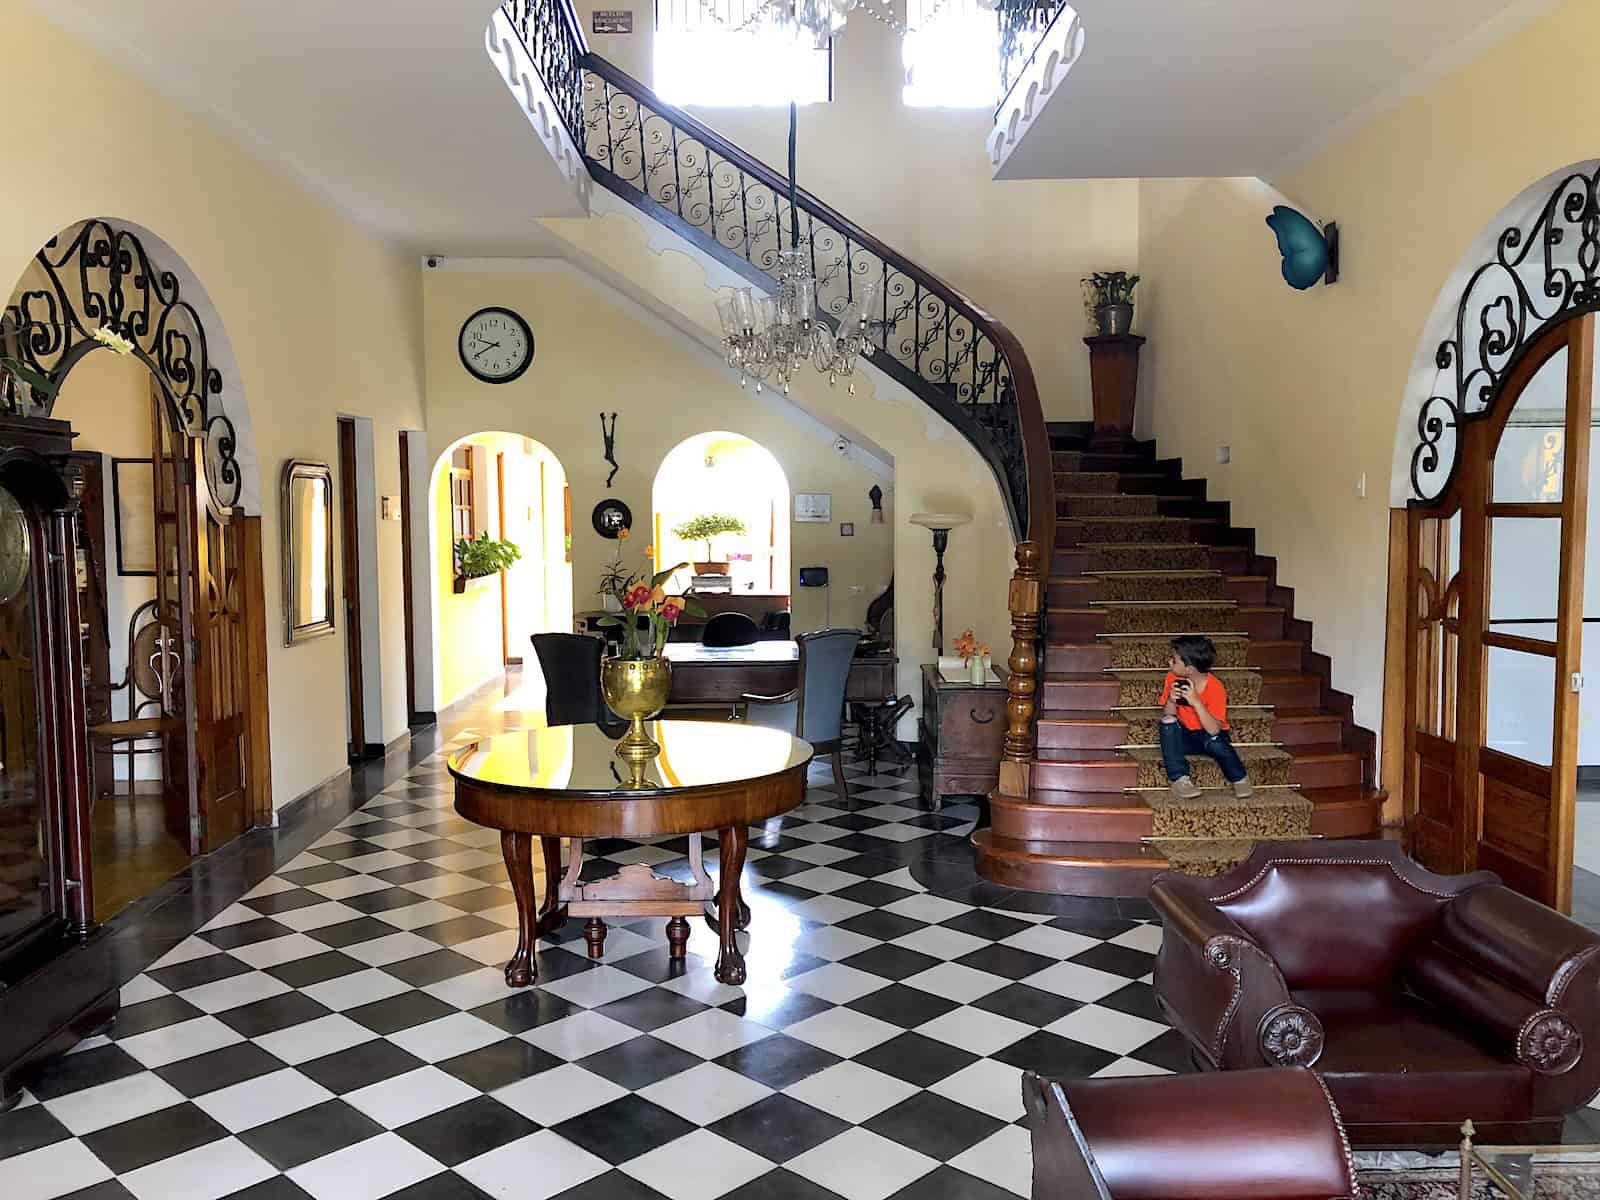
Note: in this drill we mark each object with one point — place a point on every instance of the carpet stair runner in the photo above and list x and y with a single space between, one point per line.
1142 556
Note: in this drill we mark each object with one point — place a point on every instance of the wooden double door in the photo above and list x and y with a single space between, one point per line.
1495 603
201 582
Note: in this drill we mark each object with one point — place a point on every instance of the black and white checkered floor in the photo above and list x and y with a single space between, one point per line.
344 1031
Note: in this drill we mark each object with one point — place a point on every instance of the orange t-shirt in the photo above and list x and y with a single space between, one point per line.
1214 696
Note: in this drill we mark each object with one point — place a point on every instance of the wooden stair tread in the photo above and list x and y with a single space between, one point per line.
1134 854
1341 794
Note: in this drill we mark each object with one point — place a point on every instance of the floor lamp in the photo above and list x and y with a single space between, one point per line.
941 524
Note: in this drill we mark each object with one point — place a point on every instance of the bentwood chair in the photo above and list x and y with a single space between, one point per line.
571 666
814 711
148 681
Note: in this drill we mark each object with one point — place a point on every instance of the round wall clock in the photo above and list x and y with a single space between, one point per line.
495 344
611 517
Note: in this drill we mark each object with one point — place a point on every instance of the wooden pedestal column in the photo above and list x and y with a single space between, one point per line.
1114 379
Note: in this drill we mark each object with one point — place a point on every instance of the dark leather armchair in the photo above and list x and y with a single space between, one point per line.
1247 1135
1421 999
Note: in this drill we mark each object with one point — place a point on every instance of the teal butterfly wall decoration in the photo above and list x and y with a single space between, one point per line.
1309 253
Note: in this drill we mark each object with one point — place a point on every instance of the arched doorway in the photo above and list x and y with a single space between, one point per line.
504 487
722 474
1499 473
191 691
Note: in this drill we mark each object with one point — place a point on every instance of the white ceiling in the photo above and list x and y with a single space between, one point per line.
392 110
395 112
1242 87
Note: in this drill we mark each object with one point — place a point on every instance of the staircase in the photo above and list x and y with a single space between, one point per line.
1141 556
1116 552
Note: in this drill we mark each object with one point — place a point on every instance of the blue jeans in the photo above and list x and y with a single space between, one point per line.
1177 743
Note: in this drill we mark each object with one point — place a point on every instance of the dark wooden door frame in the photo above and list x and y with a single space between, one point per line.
350 569
406 579
1477 774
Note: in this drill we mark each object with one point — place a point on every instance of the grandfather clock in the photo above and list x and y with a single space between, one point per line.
56 981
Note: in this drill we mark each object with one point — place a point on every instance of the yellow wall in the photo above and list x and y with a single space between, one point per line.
920 179
935 469
1307 387
594 351
322 317
468 640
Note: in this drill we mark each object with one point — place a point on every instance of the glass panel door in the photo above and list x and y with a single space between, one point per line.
1528 621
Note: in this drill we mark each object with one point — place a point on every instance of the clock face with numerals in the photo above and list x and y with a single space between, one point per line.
496 345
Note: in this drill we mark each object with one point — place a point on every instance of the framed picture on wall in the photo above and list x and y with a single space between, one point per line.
133 513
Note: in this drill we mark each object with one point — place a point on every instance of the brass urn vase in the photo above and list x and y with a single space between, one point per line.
636 688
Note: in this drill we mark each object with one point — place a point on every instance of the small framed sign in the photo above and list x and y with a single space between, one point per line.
813 506
611 20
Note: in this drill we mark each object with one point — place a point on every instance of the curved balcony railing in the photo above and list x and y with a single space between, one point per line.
1023 25
955 356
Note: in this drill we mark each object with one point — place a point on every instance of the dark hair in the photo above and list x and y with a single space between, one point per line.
1198 652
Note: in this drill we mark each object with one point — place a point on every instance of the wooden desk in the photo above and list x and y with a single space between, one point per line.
722 674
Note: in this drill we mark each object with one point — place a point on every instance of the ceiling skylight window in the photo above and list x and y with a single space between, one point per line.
722 53
951 52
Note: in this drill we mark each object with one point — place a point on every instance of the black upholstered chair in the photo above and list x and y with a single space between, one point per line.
571 666
814 710
730 629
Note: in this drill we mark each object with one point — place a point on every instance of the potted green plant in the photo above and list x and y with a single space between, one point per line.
482 556
702 529
1108 301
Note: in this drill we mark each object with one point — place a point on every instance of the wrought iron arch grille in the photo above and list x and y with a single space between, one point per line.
103 277
1543 272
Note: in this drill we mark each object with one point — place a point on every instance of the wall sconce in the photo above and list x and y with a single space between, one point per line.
876 496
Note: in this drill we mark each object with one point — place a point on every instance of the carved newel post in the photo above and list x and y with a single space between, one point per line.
1025 600
1114 381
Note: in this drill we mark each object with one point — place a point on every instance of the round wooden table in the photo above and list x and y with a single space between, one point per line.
565 781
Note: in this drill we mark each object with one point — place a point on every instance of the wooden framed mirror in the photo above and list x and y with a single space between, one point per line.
306 496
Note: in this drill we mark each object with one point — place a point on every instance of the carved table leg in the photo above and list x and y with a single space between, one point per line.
518 851
730 963
677 939
552 914
594 932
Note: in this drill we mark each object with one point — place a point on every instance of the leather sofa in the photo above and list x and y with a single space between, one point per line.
1421 999
1245 1135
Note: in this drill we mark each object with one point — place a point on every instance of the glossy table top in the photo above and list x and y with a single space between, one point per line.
580 760
693 653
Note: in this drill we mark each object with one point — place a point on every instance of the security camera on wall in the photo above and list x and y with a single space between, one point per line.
842 445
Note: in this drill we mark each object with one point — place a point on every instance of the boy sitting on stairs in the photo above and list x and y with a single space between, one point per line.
1194 712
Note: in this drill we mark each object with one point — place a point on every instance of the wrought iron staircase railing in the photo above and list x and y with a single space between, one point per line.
956 357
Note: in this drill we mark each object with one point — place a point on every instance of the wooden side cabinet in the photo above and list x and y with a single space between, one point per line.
962 727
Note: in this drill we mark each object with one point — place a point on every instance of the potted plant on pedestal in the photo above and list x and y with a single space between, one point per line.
1108 301
482 556
702 529
636 680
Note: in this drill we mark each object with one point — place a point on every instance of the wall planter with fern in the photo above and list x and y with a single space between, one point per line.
481 558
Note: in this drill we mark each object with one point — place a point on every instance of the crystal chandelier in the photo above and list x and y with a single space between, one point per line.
769 338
